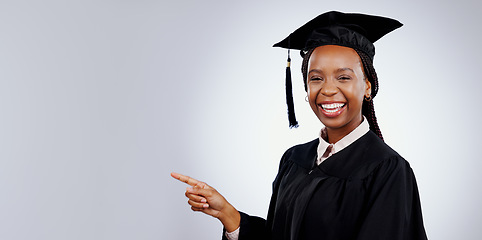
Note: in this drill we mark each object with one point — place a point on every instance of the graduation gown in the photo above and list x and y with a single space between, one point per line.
366 191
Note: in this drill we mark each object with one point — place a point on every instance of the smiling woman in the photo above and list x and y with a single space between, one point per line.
346 184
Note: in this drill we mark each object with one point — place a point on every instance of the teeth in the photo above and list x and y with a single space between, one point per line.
332 107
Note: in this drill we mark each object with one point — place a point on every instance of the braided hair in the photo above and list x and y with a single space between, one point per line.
368 109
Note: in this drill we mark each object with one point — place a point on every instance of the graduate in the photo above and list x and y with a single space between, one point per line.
346 184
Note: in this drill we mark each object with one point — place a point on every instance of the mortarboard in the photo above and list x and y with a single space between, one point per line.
354 30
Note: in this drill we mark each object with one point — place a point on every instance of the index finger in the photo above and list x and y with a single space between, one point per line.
189 180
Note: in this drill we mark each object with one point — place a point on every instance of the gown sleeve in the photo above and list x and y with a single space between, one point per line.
251 227
393 204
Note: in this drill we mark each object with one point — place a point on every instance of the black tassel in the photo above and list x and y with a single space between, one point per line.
289 95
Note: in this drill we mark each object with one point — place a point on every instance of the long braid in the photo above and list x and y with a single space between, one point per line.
368 109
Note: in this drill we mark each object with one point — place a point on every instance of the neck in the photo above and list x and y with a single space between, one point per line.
336 134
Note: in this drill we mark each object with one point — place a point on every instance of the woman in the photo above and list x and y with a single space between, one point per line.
347 184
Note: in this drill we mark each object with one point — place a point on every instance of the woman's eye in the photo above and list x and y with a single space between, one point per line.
344 78
316 79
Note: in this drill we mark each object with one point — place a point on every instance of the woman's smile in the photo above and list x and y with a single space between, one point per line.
332 109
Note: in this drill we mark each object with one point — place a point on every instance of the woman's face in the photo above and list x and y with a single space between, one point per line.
336 87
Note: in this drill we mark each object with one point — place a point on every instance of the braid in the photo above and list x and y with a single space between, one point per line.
368 109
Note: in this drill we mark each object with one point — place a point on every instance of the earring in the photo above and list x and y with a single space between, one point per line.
369 98
306 98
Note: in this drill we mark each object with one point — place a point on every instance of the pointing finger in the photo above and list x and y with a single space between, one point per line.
191 181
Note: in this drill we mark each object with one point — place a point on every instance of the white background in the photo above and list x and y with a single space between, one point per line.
101 100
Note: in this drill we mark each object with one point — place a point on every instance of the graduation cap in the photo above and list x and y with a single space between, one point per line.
353 30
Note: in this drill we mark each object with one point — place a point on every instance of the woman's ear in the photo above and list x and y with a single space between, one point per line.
368 89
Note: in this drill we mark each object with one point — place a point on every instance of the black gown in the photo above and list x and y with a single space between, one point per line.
366 191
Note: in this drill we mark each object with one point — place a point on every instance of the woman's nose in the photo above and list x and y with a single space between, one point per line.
329 88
